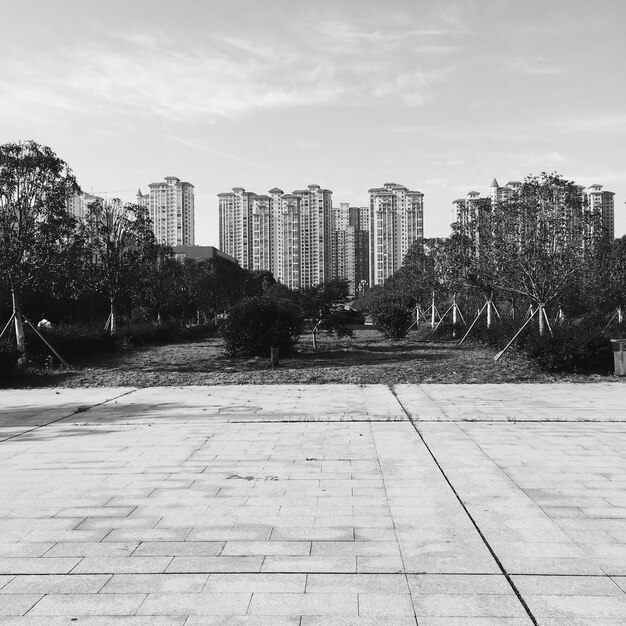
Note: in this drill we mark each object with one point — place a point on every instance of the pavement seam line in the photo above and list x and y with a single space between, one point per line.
395 530
469 515
25 432
421 388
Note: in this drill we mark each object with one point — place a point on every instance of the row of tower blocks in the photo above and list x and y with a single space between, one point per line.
303 239
598 201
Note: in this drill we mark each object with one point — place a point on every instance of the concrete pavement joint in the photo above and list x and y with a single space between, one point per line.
469 515
395 529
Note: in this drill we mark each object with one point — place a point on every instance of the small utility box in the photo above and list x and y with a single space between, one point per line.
619 356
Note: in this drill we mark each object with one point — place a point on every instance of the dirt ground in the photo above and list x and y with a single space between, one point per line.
366 358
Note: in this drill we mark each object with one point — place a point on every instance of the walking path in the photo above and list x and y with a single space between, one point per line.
330 505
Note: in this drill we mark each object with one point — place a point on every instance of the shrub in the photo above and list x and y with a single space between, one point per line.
502 330
78 341
257 324
71 342
392 316
573 347
8 358
576 346
448 330
145 333
335 321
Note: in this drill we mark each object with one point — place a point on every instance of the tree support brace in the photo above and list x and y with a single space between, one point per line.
508 345
8 324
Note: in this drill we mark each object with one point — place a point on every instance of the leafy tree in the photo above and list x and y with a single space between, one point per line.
539 241
257 324
604 288
34 224
415 277
319 304
616 271
158 279
121 242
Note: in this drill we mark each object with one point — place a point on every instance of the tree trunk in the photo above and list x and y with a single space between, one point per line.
620 315
19 325
488 313
541 321
113 326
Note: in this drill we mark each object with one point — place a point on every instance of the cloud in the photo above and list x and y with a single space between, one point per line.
221 153
231 75
535 67
614 123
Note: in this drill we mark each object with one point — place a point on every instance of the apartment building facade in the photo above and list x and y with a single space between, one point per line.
350 246
78 204
170 207
287 234
603 202
473 213
396 222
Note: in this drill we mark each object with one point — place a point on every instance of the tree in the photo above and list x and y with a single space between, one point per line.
258 324
414 278
319 303
605 280
121 240
539 241
34 186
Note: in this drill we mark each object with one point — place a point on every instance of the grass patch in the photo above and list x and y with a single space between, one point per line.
366 358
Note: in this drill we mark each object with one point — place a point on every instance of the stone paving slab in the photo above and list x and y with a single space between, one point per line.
600 402
23 409
245 403
150 510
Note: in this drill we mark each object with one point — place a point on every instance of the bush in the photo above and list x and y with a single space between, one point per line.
145 333
392 316
576 346
502 330
71 342
150 333
8 358
257 324
77 341
448 330
572 347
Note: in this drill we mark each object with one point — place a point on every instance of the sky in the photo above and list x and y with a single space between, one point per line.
439 96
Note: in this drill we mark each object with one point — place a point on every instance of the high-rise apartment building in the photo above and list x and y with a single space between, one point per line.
502 194
289 230
472 215
170 206
396 216
77 204
350 243
603 202
287 234
473 212
235 214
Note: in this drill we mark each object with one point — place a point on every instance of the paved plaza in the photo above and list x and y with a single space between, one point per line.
329 505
